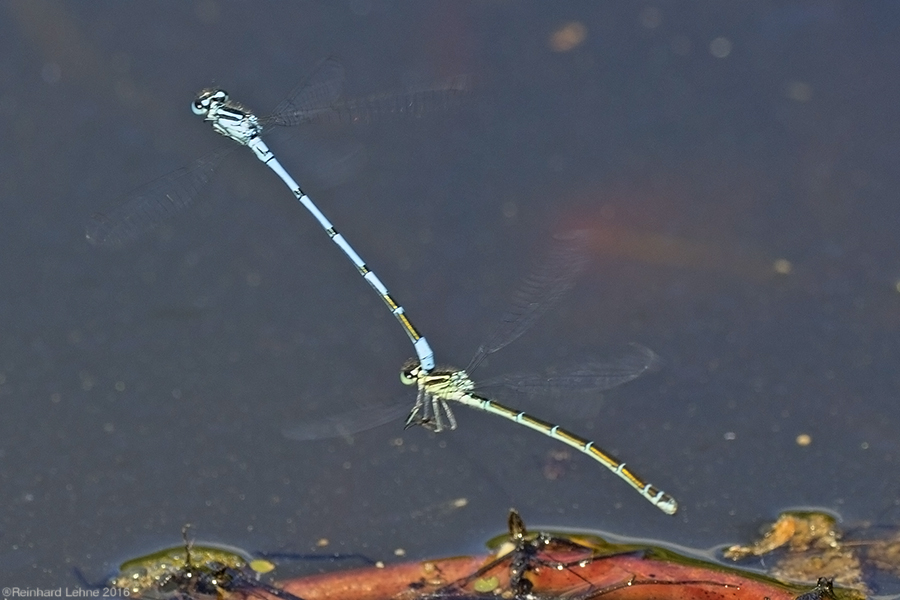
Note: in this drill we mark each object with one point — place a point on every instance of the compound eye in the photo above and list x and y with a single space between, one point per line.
409 373
206 99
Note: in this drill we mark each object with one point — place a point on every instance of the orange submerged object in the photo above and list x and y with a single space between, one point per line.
614 578
525 566
548 566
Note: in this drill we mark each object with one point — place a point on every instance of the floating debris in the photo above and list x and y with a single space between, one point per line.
885 555
195 571
813 549
552 565
801 530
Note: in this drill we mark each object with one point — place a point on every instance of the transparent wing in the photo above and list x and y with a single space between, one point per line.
553 276
317 100
441 96
345 424
153 204
314 98
587 376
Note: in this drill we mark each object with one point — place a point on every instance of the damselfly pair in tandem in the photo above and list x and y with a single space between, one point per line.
319 99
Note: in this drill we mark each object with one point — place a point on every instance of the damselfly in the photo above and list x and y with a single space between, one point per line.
553 277
318 99
550 280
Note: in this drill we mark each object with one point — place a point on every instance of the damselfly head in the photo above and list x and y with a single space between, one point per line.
207 98
410 371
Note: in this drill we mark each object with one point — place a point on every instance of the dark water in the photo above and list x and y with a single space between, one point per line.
702 142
